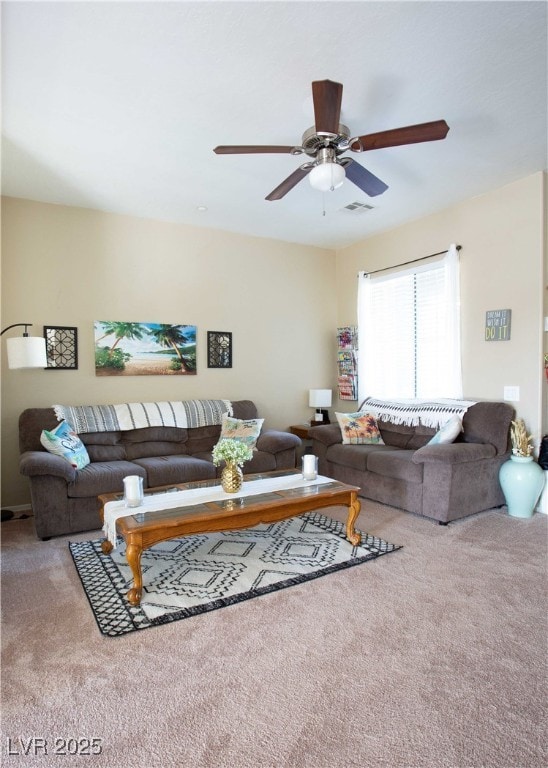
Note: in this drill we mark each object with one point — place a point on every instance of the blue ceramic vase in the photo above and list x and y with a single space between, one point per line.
522 481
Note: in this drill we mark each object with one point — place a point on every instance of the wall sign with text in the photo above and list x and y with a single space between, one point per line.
498 323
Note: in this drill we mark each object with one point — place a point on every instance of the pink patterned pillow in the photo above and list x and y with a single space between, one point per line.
359 428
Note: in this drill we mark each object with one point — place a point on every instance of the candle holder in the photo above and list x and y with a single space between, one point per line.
133 491
310 466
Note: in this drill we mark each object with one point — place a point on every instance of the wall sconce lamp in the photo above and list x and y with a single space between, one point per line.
320 399
26 351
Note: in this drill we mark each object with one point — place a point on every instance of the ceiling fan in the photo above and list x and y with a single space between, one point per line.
328 139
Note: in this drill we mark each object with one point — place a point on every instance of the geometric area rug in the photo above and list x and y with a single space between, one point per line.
194 574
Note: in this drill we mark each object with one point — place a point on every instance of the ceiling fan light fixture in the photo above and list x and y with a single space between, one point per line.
326 177
327 174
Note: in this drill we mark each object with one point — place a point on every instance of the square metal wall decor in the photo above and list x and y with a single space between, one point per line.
219 349
61 347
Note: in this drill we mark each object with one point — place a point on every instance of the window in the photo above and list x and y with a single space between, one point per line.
409 331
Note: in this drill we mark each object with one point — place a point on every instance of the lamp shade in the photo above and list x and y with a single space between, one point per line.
319 398
27 352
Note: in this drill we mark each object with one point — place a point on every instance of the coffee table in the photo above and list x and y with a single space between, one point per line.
142 530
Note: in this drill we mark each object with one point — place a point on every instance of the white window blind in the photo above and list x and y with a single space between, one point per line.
409 330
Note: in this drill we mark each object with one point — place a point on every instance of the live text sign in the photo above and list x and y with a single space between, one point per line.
497 324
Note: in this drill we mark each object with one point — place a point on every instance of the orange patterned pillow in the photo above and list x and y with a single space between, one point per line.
359 428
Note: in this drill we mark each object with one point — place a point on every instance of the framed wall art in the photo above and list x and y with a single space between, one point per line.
498 324
61 347
144 349
219 349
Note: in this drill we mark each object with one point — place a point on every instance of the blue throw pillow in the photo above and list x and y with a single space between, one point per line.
448 432
63 441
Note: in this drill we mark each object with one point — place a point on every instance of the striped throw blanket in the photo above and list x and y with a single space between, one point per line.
110 418
414 412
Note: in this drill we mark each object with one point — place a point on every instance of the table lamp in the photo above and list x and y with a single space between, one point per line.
320 399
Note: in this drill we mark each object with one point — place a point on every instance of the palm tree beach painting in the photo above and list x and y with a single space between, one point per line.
144 349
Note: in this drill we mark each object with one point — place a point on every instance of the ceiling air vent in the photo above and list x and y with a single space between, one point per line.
357 207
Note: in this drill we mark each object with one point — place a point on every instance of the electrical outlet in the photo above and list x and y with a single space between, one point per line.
511 394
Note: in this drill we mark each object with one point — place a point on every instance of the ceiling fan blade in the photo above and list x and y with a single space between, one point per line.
288 184
363 178
327 97
251 150
411 134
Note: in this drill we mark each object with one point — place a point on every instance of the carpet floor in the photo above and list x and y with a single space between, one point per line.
434 657
191 575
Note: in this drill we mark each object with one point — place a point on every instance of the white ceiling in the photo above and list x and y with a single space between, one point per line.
118 106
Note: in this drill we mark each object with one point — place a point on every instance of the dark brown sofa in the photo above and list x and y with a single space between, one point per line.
443 482
64 500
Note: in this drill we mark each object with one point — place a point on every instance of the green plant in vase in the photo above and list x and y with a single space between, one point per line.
234 453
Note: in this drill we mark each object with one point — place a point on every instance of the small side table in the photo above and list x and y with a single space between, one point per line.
301 430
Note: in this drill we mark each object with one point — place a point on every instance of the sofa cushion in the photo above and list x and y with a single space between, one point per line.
421 435
396 464
106 452
244 409
102 477
100 438
262 461
156 434
397 435
359 428
153 448
355 456
162 470
202 440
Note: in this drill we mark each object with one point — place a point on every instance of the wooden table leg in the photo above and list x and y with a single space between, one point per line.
133 556
106 547
353 511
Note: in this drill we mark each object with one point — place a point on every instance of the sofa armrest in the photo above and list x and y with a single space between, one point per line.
272 441
454 453
328 434
43 463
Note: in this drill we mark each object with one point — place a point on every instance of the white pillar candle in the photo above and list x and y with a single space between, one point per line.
309 466
132 489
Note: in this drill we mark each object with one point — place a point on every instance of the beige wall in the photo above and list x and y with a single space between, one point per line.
503 266
71 266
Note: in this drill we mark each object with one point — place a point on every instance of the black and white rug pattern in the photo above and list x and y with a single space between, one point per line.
191 575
